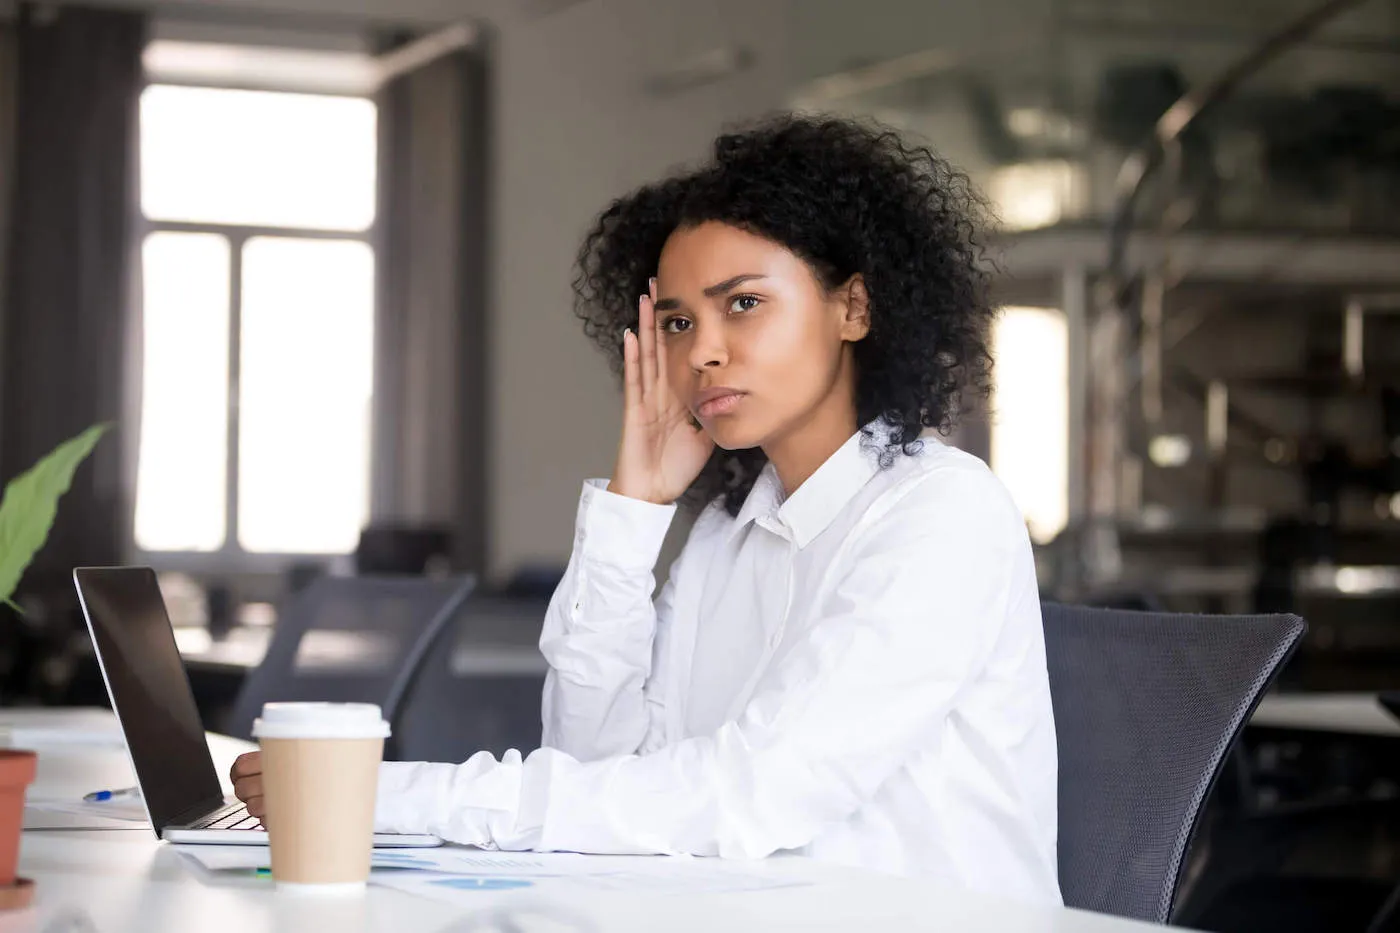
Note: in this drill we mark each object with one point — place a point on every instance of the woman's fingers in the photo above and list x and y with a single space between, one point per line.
631 374
246 789
662 392
246 775
245 765
643 361
646 330
661 387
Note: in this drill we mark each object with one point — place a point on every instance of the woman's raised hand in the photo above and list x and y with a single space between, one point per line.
661 451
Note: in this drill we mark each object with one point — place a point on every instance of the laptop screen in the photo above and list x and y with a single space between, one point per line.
150 692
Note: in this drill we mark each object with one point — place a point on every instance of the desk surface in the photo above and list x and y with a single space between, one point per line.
1345 713
122 880
244 647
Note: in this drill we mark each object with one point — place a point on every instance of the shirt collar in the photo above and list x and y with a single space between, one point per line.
763 499
816 503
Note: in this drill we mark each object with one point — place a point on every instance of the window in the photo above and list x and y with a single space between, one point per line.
258 321
1030 415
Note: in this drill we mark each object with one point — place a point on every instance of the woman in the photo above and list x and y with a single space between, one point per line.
847 658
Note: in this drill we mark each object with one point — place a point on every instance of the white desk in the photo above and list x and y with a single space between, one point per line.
124 881
1345 713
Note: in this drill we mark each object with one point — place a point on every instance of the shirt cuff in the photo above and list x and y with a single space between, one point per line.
618 530
468 804
411 795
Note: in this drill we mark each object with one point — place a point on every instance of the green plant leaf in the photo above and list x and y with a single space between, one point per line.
31 502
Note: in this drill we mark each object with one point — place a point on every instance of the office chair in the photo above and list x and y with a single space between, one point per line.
1147 707
390 550
450 713
349 639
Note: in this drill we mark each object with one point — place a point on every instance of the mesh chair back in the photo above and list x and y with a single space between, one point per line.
479 686
349 639
1147 707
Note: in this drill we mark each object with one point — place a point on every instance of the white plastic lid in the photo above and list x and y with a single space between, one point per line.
320 721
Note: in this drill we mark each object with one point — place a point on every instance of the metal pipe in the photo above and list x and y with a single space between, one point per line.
1180 115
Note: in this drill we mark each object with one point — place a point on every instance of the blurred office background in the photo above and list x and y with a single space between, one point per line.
312 258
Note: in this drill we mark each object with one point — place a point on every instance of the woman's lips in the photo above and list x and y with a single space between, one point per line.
719 405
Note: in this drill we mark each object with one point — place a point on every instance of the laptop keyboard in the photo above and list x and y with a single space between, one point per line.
232 817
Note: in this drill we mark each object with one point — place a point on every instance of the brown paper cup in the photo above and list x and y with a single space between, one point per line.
320 808
320 797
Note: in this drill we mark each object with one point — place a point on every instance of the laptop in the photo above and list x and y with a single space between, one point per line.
151 695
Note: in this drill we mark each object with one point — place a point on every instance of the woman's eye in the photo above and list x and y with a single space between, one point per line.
675 325
743 303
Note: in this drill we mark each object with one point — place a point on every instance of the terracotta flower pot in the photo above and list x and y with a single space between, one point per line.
16 774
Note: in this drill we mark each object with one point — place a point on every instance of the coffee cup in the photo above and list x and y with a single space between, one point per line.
320 777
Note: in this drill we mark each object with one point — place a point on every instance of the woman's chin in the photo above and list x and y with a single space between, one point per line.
732 434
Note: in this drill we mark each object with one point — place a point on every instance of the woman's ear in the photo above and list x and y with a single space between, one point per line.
855 301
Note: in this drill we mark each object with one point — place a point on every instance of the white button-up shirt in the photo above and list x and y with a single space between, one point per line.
856 673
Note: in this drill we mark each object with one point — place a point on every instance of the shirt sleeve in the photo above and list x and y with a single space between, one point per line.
598 634
913 620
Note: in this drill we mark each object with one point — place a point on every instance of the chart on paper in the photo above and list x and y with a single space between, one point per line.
476 862
445 860
660 876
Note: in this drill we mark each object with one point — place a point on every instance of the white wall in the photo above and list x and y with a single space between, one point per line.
331 13
830 36
575 127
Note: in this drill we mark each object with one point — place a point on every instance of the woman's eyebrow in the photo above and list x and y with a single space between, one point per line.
719 288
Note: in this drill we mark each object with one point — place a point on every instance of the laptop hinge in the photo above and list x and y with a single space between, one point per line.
189 815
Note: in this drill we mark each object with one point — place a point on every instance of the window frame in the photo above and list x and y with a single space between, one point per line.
231 556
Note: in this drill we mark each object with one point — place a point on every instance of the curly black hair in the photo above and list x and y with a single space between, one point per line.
847 197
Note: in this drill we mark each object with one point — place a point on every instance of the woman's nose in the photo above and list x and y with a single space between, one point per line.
708 349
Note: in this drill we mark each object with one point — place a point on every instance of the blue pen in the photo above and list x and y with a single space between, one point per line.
98 796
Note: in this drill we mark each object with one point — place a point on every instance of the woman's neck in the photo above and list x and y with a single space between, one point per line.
802 451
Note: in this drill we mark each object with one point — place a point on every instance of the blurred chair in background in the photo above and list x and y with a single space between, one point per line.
300 574
1301 834
479 685
402 549
349 639
534 581
1147 707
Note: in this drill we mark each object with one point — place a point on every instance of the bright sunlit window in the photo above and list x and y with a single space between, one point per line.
180 482
257 320
257 157
305 394
1030 415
